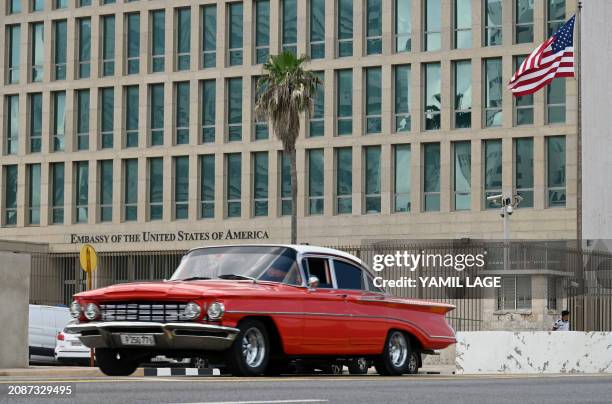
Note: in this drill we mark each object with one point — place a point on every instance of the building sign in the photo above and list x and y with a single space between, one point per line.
161 237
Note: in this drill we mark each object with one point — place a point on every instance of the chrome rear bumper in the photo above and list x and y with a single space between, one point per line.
195 336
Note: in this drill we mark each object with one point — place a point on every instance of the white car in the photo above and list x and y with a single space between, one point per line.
45 322
68 349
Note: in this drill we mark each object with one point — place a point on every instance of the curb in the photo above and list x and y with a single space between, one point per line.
75 371
181 372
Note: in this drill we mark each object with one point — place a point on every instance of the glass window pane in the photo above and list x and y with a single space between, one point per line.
183 40
181 187
82 119
402 98
524 21
106 190
10 195
234 184
130 189
402 177
345 101
432 96
158 40
463 24
555 96
289 28
156 188
556 15
208 110
57 193
157 114
493 22
317 117
37 53
35 122
60 49
13 40
286 203
345 28
493 92
316 175
131 116
33 194
344 180
107 103
82 191
207 186
262 31
463 94
182 113
317 29
433 39
260 184
372 179
374 27
555 153
108 45
234 107
523 174
463 175
84 47
431 177
493 170
235 34
59 109
209 31
133 43
373 100
403 25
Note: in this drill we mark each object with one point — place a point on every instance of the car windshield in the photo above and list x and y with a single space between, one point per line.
264 263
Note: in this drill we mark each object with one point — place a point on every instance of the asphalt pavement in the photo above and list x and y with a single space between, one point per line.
322 389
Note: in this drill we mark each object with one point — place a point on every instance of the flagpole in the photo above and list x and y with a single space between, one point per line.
579 128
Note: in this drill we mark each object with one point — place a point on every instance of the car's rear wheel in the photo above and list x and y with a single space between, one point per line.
115 362
359 366
250 352
395 358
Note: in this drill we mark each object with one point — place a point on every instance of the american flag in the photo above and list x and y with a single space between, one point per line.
554 58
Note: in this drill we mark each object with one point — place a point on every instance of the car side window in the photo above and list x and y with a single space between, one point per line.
348 276
319 267
370 284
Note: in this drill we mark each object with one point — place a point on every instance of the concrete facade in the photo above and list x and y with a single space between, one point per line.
329 228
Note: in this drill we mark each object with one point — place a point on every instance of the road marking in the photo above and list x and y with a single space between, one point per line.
311 400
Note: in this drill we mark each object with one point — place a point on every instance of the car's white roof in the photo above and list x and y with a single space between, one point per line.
300 248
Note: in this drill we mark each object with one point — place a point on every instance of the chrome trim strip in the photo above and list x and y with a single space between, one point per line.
77 327
295 313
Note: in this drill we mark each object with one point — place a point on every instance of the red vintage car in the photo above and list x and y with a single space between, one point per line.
256 308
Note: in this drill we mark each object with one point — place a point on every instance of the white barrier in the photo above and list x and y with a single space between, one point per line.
506 352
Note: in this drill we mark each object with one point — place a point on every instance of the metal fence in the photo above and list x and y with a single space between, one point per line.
585 278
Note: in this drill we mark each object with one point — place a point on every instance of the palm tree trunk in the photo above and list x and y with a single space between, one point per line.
291 154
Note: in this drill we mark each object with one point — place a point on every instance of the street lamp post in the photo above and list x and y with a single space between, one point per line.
508 204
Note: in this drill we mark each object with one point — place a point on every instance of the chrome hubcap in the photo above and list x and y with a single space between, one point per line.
398 349
413 365
253 347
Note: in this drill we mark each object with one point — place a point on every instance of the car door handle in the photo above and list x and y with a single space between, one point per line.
342 295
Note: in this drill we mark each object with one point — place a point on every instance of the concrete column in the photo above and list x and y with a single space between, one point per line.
358 28
70 141
358 100
387 100
222 31
169 137
386 187
95 46
416 180
329 86
142 114
539 173
44 193
275 40
248 40
446 161
477 171
194 112
94 107
417 92
21 194
248 92
330 30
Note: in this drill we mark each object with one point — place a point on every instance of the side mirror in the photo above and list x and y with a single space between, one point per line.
313 282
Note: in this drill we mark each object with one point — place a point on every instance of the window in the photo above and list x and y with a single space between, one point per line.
374 27
515 293
493 92
59 49
523 21
183 38
316 123
33 208
462 186
316 175
431 177
109 2
156 188
345 28
234 108
373 100
401 178
555 101
38 5
432 100
556 15
107 116
130 189
463 24
344 108
493 22
261 124
260 184
106 190
372 179
84 53
10 195
319 267
207 186
82 99
262 31
181 187
289 28
317 29
348 276
83 3
131 116
344 180
208 110
433 19
182 112
35 100
555 157
523 170
13 38
57 193
59 119
133 43
108 45
37 51
81 181
14 6
209 36
551 293
12 124
158 41
235 33
156 114
286 202
523 105
233 167
402 97
403 25
492 171
463 94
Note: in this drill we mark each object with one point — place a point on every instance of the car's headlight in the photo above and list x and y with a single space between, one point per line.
215 311
75 309
92 311
192 311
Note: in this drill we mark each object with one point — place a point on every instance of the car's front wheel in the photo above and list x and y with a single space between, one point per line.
395 359
115 363
250 352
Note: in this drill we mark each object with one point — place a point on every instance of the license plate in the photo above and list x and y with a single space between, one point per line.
75 343
137 339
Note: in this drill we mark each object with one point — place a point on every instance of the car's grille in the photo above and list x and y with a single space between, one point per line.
164 312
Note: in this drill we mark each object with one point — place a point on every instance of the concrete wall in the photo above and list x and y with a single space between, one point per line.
14 310
533 352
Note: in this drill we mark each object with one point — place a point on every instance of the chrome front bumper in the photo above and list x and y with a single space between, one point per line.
195 336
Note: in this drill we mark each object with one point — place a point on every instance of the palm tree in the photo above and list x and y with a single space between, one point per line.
285 92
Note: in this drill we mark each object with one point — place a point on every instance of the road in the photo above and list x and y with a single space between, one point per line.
367 389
